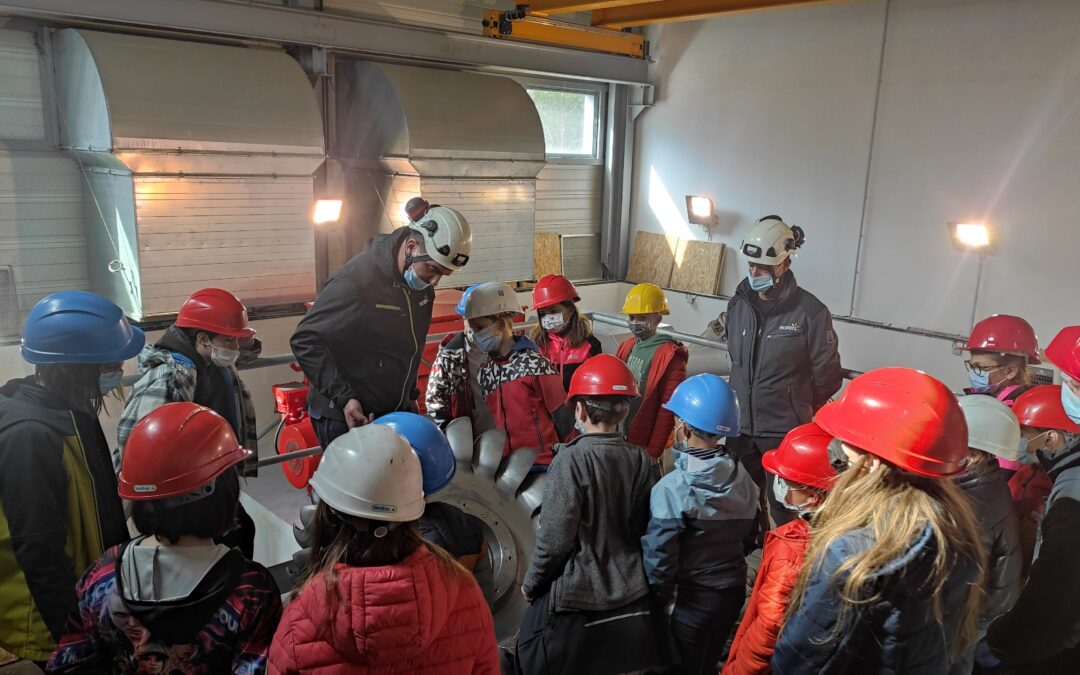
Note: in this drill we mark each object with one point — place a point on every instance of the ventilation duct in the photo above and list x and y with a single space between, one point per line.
472 142
198 163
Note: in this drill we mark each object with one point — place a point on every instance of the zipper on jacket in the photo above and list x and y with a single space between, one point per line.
753 362
93 482
416 345
539 436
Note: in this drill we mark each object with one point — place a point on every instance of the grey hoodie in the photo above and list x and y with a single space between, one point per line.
596 505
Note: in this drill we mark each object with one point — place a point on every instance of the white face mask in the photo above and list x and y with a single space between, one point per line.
553 322
223 357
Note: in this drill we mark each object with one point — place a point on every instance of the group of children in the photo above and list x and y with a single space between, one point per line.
500 379
908 551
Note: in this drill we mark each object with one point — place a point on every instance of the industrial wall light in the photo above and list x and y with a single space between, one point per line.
971 237
701 211
327 211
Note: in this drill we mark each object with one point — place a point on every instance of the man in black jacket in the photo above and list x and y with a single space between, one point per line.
785 362
1041 633
361 343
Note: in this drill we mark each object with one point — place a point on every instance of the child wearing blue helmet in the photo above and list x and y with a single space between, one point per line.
442 524
700 515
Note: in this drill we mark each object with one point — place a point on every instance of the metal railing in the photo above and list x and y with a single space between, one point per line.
615 320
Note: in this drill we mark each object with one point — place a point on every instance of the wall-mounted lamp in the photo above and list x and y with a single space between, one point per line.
971 237
701 211
327 211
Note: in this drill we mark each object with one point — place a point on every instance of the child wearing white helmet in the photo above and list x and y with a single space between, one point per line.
377 597
521 388
993 434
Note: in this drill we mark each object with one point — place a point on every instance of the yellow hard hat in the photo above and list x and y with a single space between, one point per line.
645 299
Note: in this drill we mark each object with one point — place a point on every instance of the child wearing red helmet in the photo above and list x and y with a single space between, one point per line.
208 608
886 586
564 336
589 608
803 479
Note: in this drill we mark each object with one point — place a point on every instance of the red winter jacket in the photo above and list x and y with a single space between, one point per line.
653 424
522 391
413 617
781 560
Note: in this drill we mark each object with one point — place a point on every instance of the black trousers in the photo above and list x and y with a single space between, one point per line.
749 450
327 429
701 623
590 643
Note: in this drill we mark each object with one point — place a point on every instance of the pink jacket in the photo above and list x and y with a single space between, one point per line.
413 617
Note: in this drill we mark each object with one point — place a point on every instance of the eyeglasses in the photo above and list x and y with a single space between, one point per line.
980 370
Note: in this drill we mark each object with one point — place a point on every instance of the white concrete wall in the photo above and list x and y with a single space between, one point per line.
977 119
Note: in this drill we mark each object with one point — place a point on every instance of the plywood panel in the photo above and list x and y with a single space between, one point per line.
652 259
548 259
697 266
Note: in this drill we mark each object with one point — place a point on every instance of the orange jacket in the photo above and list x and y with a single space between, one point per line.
781 560
652 425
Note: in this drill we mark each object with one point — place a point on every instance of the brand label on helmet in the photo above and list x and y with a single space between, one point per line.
383 508
619 387
145 488
751 251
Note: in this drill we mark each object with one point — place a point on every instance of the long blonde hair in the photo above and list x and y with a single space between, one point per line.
896 507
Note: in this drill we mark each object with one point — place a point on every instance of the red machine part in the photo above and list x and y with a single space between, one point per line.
295 437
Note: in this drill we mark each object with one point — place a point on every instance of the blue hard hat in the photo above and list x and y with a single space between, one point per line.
707 403
79 327
464 301
436 457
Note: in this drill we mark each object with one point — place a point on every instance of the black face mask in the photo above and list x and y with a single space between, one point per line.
838 459
641 330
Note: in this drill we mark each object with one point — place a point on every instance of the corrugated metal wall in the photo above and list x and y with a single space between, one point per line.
250 234
568 198
42 237
502 217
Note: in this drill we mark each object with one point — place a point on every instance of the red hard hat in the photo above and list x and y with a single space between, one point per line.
1041 407
175 450
803 457
903 416
1005 334
553 289
602 375
1064 351
215 311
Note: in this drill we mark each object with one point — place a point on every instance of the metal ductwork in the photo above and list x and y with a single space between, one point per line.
198 163
469 141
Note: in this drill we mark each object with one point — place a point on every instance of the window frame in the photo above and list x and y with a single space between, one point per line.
599 94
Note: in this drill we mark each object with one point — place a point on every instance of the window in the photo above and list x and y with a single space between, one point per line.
570 121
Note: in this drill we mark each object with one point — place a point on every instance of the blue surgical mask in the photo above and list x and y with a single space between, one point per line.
1071 403
486 341
980 384
414 281
580 427
109 381
760 284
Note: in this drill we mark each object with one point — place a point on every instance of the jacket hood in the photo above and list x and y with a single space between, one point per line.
24 399
384 250
1058 462
978 474
860 540
175 590
387 614
717 476
165 351
613 439
795 532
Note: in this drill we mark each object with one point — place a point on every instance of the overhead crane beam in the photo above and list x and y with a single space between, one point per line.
517 25
662 11
546 7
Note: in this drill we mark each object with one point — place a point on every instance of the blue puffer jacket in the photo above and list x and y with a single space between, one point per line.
897 633
699 515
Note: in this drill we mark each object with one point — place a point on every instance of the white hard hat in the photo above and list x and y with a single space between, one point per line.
992 427
371 472
770 241
492 299
447 236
